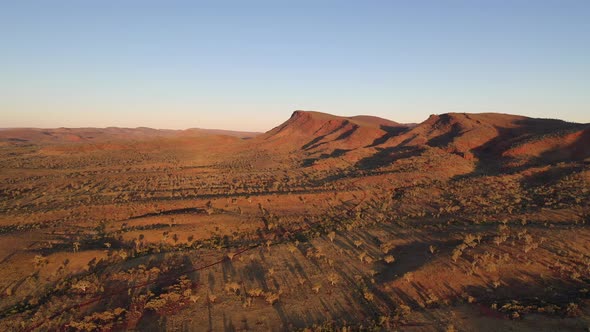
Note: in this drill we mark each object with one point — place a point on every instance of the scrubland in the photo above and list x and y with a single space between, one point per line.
301 228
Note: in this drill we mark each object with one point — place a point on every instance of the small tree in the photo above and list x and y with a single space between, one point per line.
389 259
316 288
333 278
332 236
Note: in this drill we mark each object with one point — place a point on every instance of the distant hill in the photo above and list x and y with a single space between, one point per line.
63 135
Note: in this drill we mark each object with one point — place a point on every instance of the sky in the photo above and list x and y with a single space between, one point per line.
247 65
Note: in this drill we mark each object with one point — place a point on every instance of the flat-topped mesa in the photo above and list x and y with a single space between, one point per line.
299 113
319 116
466 134
363 120
311 129
493 134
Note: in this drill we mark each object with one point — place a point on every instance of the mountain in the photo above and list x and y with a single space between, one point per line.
319 138
315 131
499 135
503 140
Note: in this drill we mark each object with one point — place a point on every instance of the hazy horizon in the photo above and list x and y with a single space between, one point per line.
247 66
238 130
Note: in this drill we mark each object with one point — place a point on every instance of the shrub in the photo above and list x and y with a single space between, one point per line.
456 254
332 236
271 298
408 276
316 288
255 292
333 278
386 247
232 287
432 249
368 296
389 259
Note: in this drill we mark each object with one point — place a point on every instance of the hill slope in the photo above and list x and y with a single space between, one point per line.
496 135
497 140
314 131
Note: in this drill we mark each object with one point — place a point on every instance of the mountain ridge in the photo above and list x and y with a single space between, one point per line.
514 139
499 137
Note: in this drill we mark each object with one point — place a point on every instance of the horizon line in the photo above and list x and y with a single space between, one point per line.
261 132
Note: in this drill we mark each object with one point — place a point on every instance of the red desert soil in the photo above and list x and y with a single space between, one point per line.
464 222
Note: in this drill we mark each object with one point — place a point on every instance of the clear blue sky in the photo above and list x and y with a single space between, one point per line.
248 64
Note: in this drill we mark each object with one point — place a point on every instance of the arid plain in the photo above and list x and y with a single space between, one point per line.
464 222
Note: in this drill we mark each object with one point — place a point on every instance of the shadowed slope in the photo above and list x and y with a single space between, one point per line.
494 134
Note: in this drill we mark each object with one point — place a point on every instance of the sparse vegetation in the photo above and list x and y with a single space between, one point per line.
142 233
